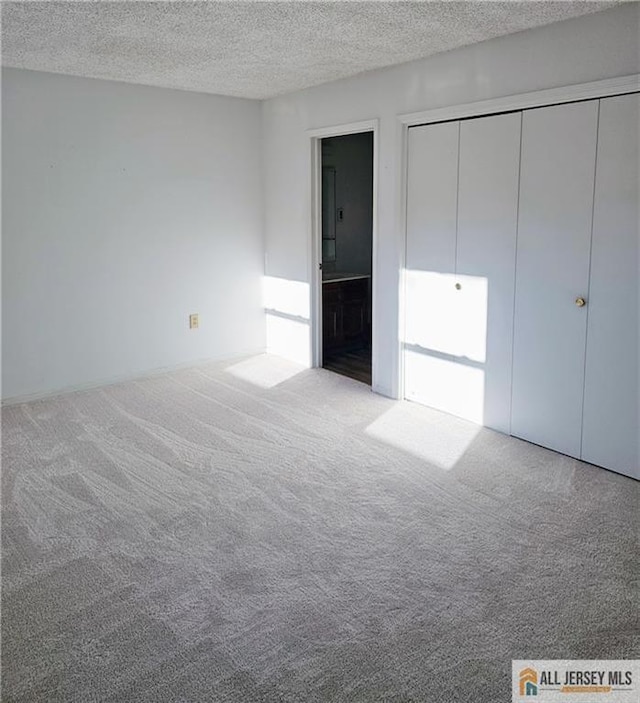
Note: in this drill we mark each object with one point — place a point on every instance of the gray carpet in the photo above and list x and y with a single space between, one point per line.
241 532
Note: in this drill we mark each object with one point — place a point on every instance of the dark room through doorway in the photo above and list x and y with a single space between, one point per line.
347 234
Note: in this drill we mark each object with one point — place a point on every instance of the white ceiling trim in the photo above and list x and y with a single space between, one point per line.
523 101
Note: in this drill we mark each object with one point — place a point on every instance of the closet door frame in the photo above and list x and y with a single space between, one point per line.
513 103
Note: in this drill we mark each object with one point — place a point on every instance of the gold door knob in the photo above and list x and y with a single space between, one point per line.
458 286
581 302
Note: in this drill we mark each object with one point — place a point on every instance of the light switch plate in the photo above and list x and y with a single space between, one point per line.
193 321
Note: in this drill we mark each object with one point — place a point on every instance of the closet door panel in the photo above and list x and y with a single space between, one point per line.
432 195
432 192
552 271
485 257
611 423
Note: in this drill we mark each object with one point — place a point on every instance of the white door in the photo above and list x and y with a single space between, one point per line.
429 339
461 236
611 425
552 274
485 257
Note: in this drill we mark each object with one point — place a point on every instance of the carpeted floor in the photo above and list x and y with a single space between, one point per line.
241 532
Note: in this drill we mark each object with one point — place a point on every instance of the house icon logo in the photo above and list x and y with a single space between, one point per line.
528 682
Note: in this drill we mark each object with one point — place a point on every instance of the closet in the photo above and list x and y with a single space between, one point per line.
552 274
611 423
461 242
521 280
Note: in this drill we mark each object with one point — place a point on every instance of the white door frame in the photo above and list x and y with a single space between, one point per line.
523 101
315 239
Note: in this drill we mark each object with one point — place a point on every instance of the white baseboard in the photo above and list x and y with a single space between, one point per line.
30 397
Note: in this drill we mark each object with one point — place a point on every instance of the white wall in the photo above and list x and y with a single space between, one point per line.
589 48
125 208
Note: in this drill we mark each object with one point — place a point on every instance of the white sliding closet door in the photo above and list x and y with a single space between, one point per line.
461 236
432 196
611 424
485 257
552 273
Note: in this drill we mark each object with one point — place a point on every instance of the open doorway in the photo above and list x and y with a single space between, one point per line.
346 254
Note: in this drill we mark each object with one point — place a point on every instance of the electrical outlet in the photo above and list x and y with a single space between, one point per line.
193 321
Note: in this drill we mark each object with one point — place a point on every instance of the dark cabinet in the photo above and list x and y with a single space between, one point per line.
345 314
331 316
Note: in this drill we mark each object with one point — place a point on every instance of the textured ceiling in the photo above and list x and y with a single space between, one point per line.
252 49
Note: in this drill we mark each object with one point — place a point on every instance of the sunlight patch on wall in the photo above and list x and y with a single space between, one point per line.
288 329
289 339
287 297
437 438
